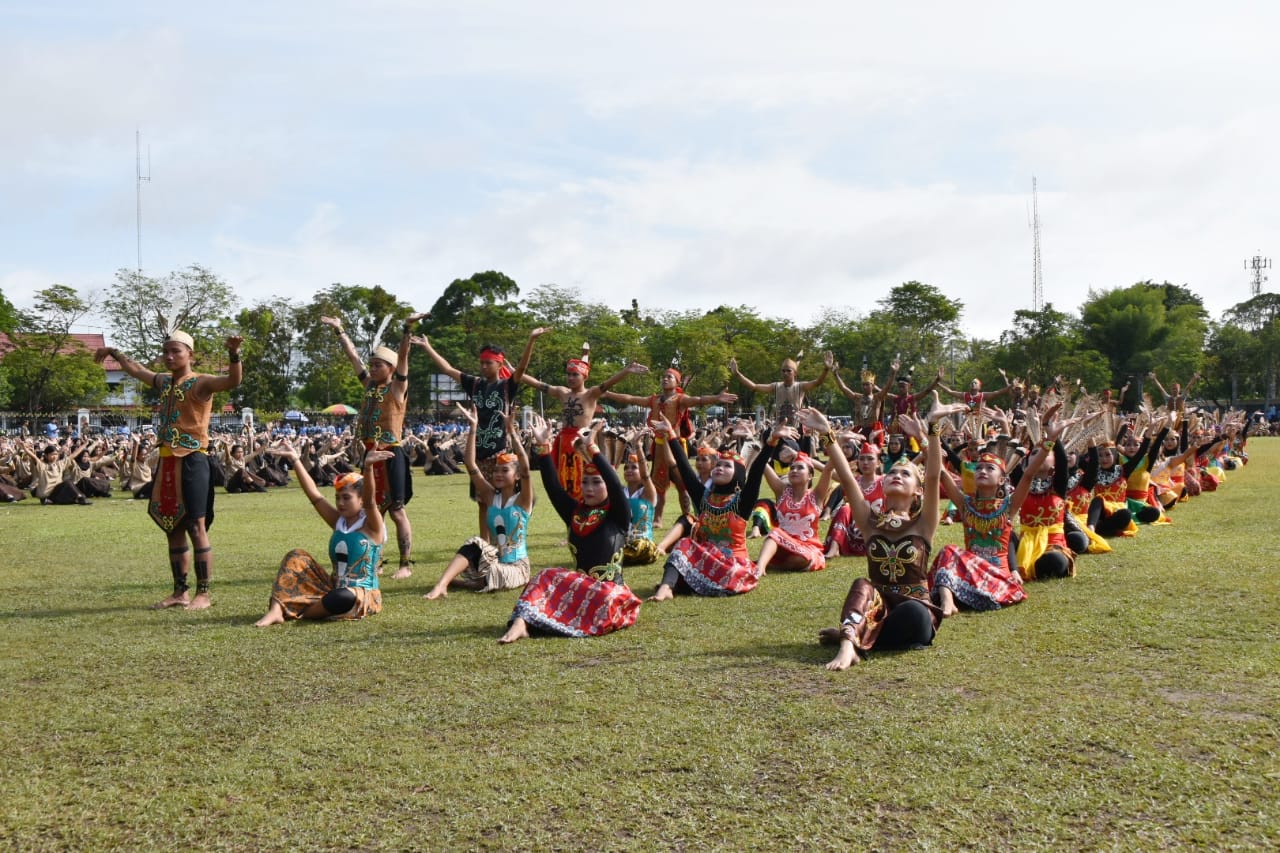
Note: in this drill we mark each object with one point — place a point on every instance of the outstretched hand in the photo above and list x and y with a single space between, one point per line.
540 430
378 456
813 419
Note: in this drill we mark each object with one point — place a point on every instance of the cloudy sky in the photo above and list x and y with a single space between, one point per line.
784 156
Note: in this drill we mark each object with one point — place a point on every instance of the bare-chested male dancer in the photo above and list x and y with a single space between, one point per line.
674 405
386 386
580 404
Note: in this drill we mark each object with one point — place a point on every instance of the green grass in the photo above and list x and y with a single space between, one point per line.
1134 706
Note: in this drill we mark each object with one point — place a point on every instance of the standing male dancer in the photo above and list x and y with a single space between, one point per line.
182 494
381 425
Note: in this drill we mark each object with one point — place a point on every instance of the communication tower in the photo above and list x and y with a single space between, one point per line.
1257 264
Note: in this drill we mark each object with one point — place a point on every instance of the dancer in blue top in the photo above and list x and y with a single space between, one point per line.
500 559
303 589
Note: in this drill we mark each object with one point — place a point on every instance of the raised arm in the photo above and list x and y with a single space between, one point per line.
235 370
751 489
522 460
441 362
560 499
828 361
128 365
484 489
348 348
632 369
323 508
754 386
518 373
664 439
400 377
625 399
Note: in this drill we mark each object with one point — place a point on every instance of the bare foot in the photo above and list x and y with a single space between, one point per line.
200 602
518 631
830 636
437 592
947 602
845 658
275 616
664 593
178 599
403 572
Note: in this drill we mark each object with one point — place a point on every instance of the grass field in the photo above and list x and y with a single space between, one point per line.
1133 707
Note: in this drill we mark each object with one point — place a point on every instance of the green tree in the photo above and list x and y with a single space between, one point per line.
48 369
268 353
1246 350
923 321
194 299
1142 327
9 316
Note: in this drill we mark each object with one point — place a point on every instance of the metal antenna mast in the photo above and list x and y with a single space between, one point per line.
1037 278
137 143
1257 263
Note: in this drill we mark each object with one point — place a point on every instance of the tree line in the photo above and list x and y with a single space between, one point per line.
292 361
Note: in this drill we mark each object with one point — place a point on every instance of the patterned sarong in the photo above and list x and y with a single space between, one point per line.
576 604
301 582
709 569
975 582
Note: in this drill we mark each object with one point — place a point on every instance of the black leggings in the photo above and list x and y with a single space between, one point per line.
907 626
1107 525
338 601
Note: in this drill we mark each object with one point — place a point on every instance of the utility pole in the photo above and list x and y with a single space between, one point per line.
1037 278
137 147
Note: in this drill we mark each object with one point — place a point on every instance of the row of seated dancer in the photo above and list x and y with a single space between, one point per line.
1029 509
70 472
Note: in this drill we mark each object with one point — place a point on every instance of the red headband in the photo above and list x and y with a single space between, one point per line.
504 370
505 458
730 455
992 459
804 459
706 451
577 365
868 449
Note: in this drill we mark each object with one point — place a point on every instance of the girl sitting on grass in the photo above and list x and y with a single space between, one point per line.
794 543
303 589
501 560
890 609
713 559
591 599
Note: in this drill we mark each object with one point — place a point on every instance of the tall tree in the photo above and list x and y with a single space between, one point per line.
1137 331
48 369
195 299
9 316
924 320
268 353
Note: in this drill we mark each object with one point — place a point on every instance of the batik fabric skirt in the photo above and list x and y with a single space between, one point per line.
708 568
845 534
974 581
576 604
488 573
301 582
